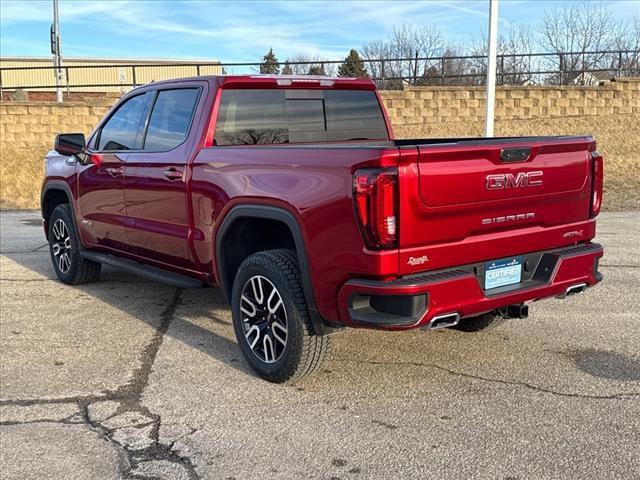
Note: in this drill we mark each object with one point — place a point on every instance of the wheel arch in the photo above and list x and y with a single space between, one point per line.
54 193
225 271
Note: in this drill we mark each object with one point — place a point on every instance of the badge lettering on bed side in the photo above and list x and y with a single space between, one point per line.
418 260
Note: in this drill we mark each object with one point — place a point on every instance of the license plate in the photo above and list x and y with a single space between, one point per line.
500 273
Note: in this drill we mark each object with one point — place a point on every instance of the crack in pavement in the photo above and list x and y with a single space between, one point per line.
615 396
33 250
105 282
136 441
26 280
65 421
618 266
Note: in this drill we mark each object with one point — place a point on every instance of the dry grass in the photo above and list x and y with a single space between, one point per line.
21 176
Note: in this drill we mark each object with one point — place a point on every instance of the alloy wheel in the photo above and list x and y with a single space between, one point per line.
61 245
264 319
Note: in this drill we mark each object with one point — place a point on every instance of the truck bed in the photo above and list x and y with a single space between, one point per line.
410 142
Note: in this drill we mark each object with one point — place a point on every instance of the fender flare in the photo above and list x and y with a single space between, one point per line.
55 185
320 326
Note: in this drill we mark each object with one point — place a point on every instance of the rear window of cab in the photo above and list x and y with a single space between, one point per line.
280 116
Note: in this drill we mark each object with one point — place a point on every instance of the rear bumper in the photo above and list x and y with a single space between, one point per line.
413 301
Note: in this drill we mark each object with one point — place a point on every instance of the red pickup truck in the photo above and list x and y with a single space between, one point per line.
292 195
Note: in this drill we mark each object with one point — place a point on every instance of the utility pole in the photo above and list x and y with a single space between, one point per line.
491 69
55 50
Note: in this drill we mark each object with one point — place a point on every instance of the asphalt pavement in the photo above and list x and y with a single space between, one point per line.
126 378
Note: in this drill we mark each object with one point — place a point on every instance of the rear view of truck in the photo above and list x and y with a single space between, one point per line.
481 226
351 227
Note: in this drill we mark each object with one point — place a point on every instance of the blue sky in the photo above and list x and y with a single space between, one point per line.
243 31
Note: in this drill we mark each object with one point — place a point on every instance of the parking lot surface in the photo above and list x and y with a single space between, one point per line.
126 378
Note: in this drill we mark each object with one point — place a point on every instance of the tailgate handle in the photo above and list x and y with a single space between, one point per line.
513 155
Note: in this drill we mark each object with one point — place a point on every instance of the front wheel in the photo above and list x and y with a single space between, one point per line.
64 248
271 320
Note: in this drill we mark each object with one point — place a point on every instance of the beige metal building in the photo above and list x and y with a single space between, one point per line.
106 74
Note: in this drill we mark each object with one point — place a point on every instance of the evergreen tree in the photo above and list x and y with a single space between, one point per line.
316 70
270 63
287 70
353 66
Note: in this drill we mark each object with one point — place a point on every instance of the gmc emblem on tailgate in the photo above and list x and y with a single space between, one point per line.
509 180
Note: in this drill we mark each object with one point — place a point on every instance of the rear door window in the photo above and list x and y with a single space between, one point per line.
252 117
171 118
123 130
258 117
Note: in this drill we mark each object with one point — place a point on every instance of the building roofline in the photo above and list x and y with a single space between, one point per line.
154 61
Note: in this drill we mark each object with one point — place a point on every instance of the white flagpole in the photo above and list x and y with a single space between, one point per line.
491 69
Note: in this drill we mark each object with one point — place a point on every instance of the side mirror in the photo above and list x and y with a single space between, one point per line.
69 143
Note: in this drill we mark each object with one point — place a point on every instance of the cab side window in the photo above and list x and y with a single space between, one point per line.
171 118
123 130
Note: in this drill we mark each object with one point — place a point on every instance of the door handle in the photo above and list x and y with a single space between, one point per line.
114 171
173 174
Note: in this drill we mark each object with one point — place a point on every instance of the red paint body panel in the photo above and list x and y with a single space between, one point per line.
446 214
313 184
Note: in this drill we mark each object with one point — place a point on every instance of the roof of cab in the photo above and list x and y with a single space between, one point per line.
280 81
295 81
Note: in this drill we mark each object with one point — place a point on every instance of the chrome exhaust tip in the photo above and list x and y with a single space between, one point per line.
444 321
574 289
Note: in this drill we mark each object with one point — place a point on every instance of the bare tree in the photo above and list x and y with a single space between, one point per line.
429 43
458 70
404 54
627 39
302 64
581 27
375 53
514 64
299 63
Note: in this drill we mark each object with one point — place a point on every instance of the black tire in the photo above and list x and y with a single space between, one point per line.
482 323
73 269
303 352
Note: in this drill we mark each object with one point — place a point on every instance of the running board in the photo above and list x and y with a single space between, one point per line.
147 271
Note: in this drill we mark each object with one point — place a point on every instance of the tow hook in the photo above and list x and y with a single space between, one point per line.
517 310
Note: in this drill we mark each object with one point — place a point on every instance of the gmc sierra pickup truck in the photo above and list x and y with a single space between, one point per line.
293 197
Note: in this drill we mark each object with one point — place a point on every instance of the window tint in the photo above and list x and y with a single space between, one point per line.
251 117
121 132
353 114
170 118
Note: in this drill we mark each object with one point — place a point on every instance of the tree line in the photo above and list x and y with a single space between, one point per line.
409 53
352 66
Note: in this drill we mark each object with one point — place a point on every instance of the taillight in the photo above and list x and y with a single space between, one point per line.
597 176
376 202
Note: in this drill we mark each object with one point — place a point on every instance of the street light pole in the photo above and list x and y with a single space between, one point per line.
55 49
491 69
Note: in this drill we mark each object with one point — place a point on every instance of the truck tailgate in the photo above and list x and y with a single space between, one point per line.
492 198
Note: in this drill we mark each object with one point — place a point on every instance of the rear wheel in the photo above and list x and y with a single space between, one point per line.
271 320
481 323
64 248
